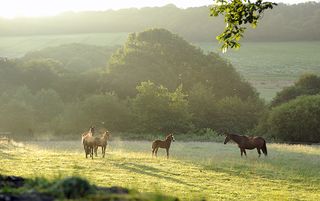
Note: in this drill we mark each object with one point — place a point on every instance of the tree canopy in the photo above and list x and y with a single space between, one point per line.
167 59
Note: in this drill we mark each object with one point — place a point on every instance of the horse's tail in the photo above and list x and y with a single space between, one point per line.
264 148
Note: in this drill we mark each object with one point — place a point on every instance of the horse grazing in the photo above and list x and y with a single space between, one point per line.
245 142
162 144
88 142
102 142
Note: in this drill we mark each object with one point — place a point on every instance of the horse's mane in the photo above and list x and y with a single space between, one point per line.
169 135
241 136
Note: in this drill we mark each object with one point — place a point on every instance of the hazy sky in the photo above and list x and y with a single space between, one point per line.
13 8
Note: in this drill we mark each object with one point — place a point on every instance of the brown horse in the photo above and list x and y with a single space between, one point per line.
162 144
88 142
245 142
102 142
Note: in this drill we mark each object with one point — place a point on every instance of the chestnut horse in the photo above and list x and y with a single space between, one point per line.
162 144
88 142
245 142
102 142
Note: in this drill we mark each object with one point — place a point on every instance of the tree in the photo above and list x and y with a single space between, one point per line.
167 59
159 110
17 117
238 13
40 73
107 109
203 106
47 105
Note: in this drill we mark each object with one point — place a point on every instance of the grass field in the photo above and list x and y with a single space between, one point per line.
196 170
269 66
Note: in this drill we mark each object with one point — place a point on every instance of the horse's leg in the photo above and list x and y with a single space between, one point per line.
167 149
85 151
245 153
95 150
104 151
156 151
241 151
259 152
153 152
91 150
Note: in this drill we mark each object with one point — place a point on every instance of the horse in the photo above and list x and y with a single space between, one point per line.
245 142
165 144
102 142
88 142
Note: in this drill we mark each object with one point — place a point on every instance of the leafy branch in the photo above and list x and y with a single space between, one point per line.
237 13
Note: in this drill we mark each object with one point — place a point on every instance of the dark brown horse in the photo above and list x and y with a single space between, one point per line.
245 142
165 144
88 142
102 142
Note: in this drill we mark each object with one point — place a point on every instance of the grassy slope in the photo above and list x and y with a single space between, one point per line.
270 66
196 170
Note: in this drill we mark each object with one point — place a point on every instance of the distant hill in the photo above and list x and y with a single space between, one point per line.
283 23
75 57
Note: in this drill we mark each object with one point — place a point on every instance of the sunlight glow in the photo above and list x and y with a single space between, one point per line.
31 8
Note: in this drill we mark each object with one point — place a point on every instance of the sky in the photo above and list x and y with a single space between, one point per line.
29 8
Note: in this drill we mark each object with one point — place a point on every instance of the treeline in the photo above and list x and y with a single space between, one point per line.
156 82
291 22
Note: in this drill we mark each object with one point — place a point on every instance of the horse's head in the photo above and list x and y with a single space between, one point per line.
91 129
170 137
227 139
106 134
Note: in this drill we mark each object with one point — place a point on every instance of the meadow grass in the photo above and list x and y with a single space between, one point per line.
195 170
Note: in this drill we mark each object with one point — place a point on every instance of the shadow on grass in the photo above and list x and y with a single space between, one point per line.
151 171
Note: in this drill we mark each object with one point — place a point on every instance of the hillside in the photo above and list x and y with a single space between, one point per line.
75 56
291 22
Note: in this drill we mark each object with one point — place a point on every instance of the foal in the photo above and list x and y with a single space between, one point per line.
102 142
162 144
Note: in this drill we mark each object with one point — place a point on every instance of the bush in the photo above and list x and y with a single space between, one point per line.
72 187
238 115
307 84
295 121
